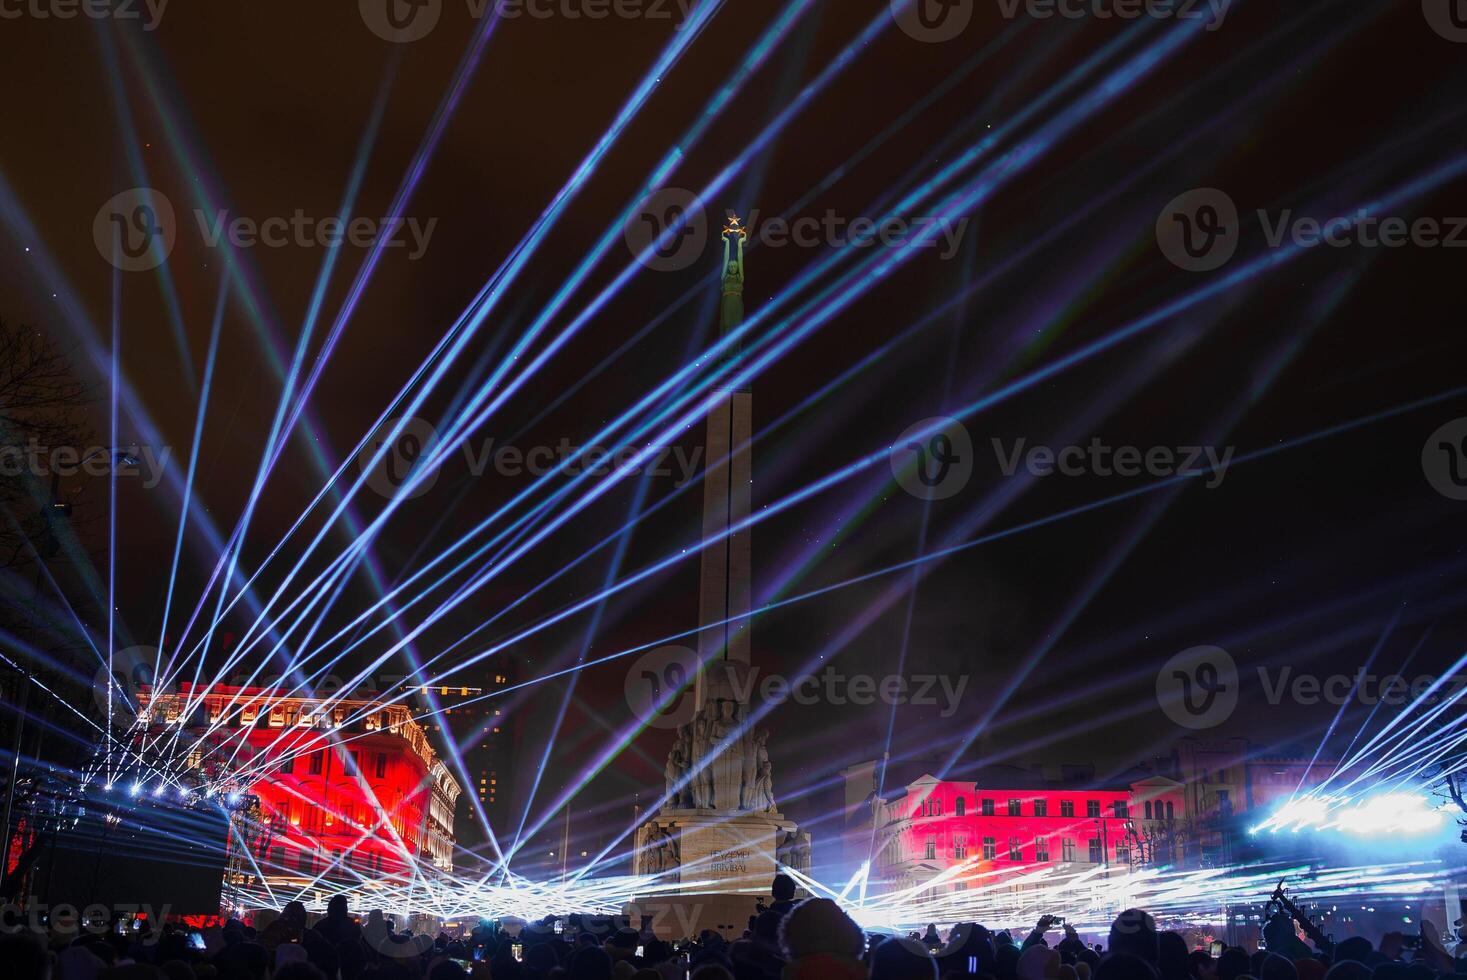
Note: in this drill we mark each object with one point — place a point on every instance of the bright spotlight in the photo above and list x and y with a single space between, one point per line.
134 789
1384 813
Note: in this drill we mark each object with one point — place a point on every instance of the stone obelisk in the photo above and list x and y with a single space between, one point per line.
719 830
723 604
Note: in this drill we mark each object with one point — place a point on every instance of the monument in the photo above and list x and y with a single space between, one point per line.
719 830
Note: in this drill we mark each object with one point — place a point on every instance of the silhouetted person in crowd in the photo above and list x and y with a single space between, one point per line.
25 957
337 925
783 891
1233 963
1134 932
1120 965
1171 956
903 959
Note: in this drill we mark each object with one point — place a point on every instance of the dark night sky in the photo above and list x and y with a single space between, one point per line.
1301 558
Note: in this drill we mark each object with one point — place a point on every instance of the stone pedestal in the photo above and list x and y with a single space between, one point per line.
720 851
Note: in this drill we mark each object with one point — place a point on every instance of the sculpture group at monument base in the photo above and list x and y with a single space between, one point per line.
720 851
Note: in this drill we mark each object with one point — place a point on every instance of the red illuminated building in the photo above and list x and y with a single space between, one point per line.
1012 820
343 791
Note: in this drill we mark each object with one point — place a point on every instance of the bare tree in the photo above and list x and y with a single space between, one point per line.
41 410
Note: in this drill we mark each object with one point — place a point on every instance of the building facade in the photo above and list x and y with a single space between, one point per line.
345 791
1013 820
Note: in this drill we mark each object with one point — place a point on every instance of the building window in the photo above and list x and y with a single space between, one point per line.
1148 809
930 852
1122 811
1015 808
1096 853
961 886
1041 849
990 849
937 808
1067 848
1123 854
288 766
1092 808
960 847
1067 808
1168 809
1041 808
960 806
318 762
1015 852
381 765
988 808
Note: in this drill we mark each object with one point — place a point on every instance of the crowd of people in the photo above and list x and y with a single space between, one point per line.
789 939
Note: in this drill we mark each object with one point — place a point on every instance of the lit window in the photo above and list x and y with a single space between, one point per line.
990 848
